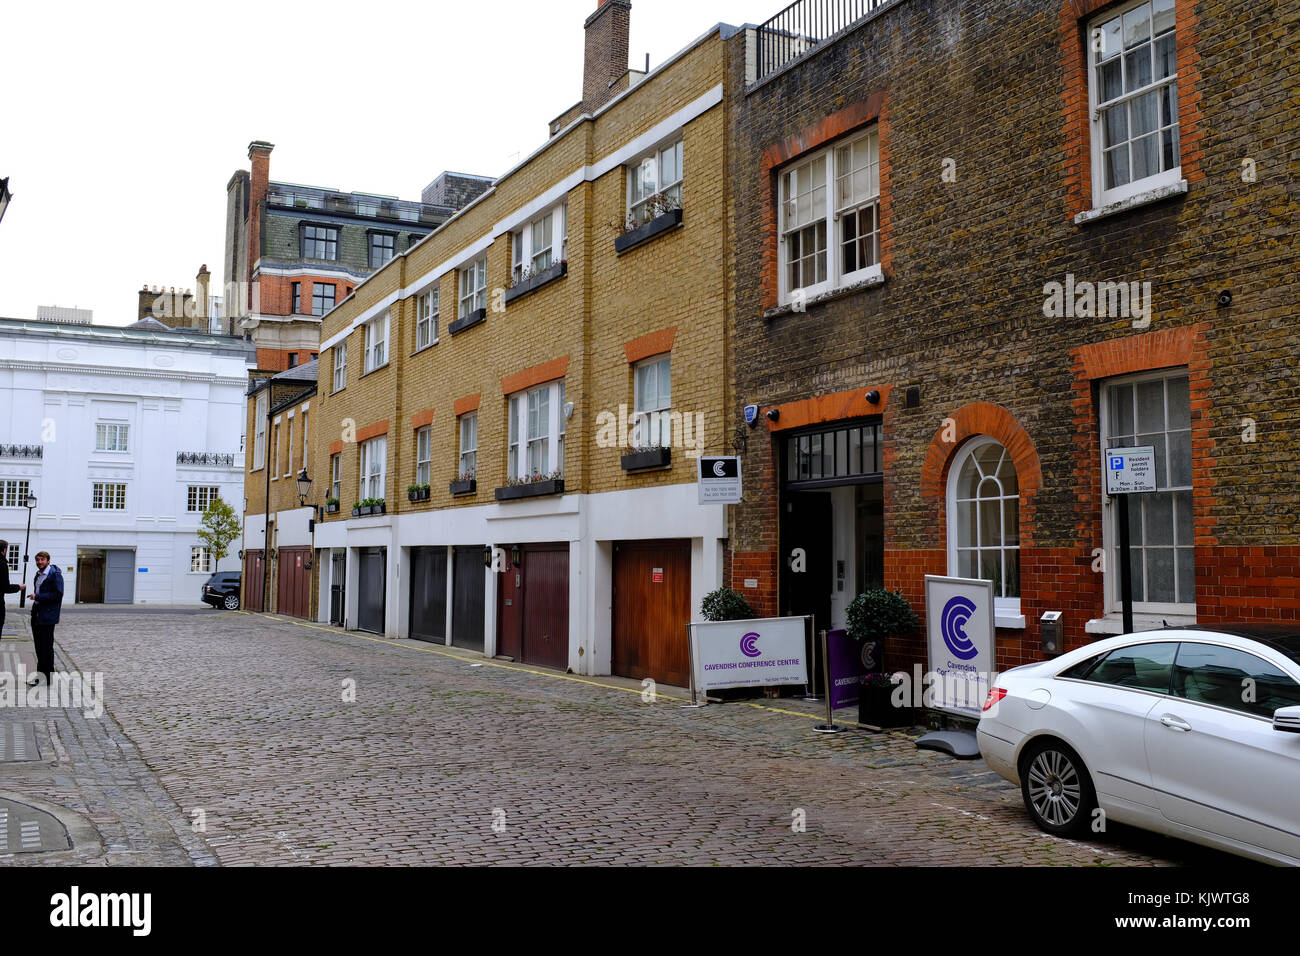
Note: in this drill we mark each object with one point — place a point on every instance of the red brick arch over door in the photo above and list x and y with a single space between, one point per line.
979 418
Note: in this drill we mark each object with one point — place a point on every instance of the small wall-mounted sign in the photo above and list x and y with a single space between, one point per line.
141 570
751 582
657 575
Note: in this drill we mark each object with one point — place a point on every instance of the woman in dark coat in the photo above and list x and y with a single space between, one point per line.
5 586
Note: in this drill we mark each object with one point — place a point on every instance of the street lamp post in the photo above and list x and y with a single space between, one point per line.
29 504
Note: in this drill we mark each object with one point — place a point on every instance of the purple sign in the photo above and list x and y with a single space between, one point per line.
844 656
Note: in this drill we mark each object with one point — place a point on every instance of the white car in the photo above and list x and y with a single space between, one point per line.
1191 733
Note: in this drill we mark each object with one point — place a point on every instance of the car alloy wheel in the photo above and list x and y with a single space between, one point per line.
1057 790
231 602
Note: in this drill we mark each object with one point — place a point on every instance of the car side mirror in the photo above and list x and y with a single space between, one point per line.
1287 719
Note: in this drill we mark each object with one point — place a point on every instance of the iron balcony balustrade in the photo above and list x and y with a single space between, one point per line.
806 25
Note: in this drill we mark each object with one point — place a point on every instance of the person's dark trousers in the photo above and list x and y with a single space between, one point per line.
43 634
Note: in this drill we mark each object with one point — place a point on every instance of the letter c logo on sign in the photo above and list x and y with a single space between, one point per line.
720 468
748 645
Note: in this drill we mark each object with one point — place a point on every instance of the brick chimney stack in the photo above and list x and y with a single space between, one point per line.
201 286
259 154
605 58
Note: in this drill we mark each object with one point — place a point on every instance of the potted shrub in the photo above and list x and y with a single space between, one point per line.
331 506
465 484
417 492
875 616
724 604
356 509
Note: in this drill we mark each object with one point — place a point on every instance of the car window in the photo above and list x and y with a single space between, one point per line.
1139 666
1227 677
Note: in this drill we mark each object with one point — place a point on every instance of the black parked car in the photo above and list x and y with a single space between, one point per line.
222 590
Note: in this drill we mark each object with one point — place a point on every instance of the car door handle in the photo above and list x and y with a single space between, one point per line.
1175 723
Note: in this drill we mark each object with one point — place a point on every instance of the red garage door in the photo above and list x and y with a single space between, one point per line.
293 590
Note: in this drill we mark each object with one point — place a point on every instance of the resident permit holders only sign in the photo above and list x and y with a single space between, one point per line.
1130 470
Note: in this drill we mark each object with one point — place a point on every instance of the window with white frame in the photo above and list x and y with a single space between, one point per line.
374 461
655 183
340 366
304 437
14 492
1133 88
540 244
259 431
110 436
536 431
426 318
199 497
376 343
275 450
468 462
984 520
288 460
830 217
652 398
422 454
336 476
12 557
200 559
1153 409
107 497
473 287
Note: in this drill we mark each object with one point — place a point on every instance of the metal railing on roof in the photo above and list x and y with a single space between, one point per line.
204 458
804 25
21 451
376 207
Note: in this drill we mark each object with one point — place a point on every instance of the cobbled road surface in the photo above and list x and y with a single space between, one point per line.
238 739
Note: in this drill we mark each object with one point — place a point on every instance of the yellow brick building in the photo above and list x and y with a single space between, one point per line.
546 376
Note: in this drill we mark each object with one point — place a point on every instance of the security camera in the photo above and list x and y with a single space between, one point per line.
873 397
1225 298
773 414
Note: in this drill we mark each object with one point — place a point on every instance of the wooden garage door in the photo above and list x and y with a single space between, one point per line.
252 581
652 605
293 584
546 604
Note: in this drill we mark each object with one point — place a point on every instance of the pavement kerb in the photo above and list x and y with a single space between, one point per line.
553 675
81 832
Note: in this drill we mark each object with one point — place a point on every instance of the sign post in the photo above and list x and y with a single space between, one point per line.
1129 471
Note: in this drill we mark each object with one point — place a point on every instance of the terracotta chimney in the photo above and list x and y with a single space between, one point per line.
605 58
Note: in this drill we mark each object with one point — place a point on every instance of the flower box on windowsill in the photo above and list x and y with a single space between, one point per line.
536 281
364 510
419 494
467 486
473 318
648 458
332 508
532 489
647 231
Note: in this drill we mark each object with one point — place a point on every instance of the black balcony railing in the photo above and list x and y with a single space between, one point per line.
204 458
804 25
21 451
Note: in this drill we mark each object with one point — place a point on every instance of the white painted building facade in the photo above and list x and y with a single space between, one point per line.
123 435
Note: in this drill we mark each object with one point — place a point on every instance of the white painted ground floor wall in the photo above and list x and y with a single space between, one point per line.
591 524
161 564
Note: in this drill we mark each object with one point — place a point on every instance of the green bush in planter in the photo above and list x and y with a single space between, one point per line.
725 604
879 614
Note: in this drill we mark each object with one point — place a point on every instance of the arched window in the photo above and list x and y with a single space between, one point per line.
984 523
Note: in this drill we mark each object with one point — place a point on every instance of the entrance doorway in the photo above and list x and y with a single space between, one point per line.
105 576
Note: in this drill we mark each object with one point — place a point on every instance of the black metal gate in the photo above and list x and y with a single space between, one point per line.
469 587
372 577
429 594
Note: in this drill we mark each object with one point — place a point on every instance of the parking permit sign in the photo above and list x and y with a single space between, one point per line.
1130 470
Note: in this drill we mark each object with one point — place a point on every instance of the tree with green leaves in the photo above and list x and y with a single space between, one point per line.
219 527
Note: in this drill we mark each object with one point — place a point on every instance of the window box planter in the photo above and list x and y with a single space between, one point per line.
419 494
647 231
467 487
362 511
535 282
474 318
533 489
649 458
332 508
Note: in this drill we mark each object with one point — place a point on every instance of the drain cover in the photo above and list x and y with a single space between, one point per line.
24 829
18 742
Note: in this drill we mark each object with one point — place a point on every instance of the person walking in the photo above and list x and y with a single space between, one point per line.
5 586
47 600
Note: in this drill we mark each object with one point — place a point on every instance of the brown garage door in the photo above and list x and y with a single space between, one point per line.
533 606
652 605
293 584
253 581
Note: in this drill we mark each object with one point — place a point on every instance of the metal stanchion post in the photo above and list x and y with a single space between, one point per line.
830 727
690 656
811 695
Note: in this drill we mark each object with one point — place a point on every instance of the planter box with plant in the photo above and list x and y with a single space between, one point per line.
417 492
474 318
531 487
665 214
464 485
658 457
368 506
331 506
877 706
725 604
877 615
531 281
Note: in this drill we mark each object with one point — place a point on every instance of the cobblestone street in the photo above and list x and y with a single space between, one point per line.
239 723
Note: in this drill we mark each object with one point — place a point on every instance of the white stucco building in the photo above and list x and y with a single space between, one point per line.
123 435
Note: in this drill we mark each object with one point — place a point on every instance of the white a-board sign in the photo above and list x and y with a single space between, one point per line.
762 652
959 636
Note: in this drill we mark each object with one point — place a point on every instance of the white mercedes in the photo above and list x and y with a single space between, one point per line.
1191 733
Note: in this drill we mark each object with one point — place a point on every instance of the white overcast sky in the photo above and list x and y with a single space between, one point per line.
121 123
